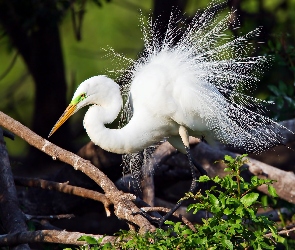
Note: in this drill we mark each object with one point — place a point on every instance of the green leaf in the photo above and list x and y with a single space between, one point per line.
186 232
264 201
228 244
216 179
282 240
229 158
254 180
213 200
168 222
204 178
227 169
280 102
107 246
240 211
88 239
272 191
274 89
176 227
289 100
227 211
282 87
249 199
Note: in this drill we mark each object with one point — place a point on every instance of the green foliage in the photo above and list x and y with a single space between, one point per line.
92 244
232 224
283 92
283 97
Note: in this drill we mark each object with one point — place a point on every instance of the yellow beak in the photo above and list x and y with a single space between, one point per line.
66 114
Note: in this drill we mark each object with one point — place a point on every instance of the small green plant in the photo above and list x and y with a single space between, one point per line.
232 222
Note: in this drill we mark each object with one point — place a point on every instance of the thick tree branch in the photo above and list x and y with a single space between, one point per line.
160 155
49 217
65 188
124 208
284 184
50 236
11 216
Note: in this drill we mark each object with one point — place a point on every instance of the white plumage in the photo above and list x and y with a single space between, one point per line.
195 83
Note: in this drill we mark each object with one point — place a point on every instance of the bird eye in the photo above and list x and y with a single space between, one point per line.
83 96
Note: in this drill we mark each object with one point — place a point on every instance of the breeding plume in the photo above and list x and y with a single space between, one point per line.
192 83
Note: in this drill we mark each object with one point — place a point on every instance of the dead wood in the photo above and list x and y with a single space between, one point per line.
11 216
124 208
65 188
160 155
49 236
49 217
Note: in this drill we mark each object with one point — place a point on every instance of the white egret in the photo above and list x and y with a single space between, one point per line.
189 84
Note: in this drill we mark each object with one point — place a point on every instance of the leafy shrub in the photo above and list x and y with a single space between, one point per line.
232 224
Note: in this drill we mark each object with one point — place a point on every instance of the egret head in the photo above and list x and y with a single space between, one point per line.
87 93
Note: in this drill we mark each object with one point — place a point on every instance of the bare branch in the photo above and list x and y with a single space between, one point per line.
50 236
65 188
284 181
124 208
49 217
286 231
161 154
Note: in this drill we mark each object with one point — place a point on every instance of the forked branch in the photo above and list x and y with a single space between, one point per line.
124 207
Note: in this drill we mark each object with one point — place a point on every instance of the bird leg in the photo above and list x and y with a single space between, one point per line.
185 139
193 165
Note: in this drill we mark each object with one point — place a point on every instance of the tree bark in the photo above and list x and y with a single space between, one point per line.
50 236
123 205
11 216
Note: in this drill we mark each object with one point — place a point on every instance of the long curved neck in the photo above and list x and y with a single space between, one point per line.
129 139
